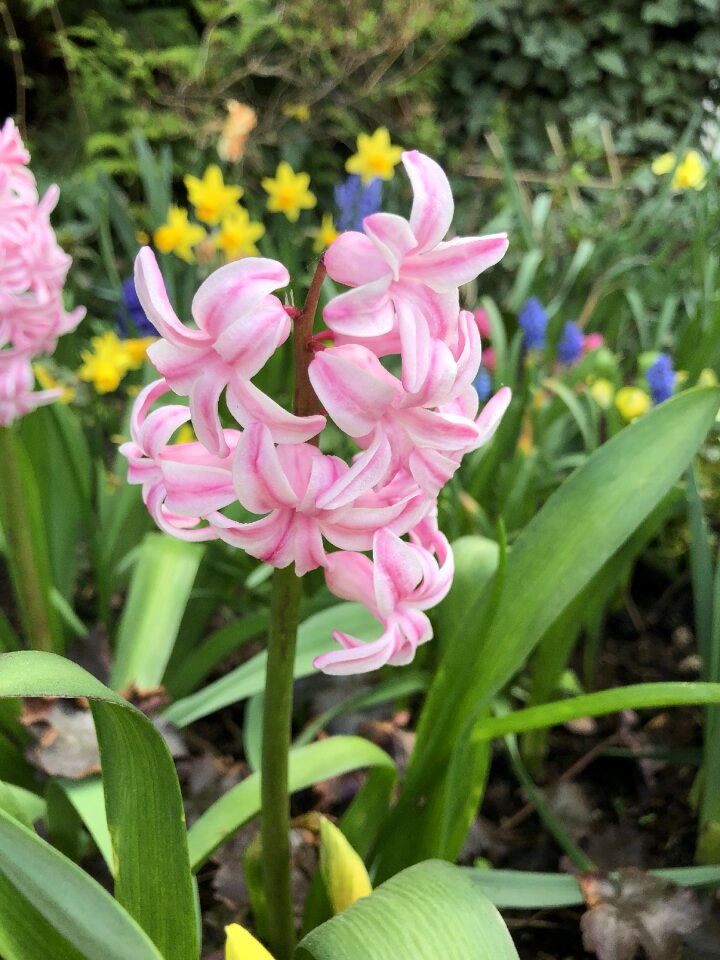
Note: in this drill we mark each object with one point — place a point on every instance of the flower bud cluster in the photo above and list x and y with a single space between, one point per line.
32 274
397 380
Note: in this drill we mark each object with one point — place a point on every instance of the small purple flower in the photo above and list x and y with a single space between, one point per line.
356 201
131 306
483 384
570 345
661 378
533 322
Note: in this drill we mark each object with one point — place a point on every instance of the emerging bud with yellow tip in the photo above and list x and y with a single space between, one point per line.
341 868
632 402
241 945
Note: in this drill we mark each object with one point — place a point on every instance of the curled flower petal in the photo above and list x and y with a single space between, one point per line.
433 205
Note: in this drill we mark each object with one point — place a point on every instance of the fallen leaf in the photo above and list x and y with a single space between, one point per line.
636 911
68 746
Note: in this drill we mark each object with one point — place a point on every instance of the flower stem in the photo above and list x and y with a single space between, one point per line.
277 710
27 554
277 713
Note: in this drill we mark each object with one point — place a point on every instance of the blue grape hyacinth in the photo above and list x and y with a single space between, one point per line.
570 345
661 378
355 201
533 323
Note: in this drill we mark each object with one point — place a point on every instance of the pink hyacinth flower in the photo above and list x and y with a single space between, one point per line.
181 483
368 402
592 341
17 396
405 277
306 496
402 580
240 325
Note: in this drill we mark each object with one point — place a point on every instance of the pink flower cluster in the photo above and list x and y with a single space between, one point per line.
32 274
412 426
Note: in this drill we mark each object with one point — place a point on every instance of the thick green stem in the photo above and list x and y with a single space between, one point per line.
277 713
277 710
27 560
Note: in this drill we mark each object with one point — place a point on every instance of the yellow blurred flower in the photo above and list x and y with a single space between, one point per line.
632 402
689 174
185 434
342 869
526 438
137 350
297 111
288 192
107 363
48 382
210 197
142 237
376 156
241 945
707 378
178 236
241 121
238 233
602 391
324 234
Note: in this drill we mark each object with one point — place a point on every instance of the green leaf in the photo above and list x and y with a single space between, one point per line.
142 799
307 765
582 524
159 591
314 638
522 890
49 907
428 911
88 799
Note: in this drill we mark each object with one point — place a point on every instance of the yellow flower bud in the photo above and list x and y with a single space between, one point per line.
341 868
241 945
632 402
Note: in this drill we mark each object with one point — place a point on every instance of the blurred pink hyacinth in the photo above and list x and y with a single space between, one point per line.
412 417
32 274
592 341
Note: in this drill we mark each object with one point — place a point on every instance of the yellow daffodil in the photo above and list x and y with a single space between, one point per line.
137 350
602 391
106 364
210 197
632 402
241 121
288 192
238 233
375 157
178 236
689 173
241 945
48 382
297 111
324 234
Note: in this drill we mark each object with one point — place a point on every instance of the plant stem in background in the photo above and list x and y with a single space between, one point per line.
27 555
277 712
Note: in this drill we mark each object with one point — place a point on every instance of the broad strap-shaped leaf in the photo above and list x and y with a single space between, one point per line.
583 523
142 799
159 591
307 765
49 907
428 911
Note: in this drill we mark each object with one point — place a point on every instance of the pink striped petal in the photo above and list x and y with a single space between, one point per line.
440 431
432 469
358 657
196 490
415 345
354 397
152 294
309 553
369 469
392 237
433 205
353 260
143 402
396 571
248 342
456 262
269 539
260 482
235 290
492 413
204 397
248 404
365 311
349 576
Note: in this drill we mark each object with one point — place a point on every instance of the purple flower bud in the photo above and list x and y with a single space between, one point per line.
570 346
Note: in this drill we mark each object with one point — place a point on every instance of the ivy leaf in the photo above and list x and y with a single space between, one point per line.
636 911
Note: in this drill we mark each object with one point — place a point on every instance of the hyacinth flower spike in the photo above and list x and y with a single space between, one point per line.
240 325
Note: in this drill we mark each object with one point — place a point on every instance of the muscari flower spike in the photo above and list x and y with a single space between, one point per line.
533 323
570 345
661 378
356 200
